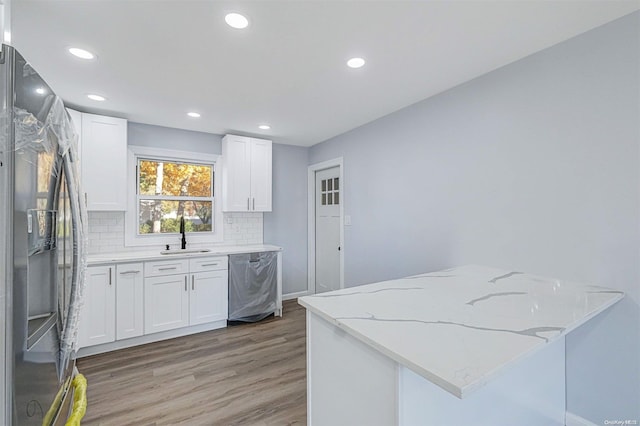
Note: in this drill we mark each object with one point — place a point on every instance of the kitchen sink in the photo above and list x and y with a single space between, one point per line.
180 251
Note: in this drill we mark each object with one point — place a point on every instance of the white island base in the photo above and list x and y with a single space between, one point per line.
350 383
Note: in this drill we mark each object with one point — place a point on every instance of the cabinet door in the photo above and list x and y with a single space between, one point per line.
166 303
260 175
104 162
208 299
129 300
236 172
97 320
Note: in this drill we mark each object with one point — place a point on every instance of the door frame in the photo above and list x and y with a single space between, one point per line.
311 222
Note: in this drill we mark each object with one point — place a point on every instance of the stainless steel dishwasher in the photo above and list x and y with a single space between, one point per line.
253 286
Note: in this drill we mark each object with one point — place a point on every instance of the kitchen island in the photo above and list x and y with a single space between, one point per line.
468 345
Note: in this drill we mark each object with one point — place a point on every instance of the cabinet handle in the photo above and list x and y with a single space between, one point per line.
210 264
167 269
248 208
185 283
129 272
109 276
254 204
193 286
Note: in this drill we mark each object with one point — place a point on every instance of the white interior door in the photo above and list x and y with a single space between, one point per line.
327 209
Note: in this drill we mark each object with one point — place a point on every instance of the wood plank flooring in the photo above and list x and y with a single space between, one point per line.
251 374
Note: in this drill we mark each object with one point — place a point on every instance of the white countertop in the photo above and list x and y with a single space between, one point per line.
461 327
143 255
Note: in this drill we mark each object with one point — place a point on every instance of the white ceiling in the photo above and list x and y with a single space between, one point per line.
157 60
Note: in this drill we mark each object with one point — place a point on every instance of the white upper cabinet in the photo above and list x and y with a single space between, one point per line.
103 160
246 174
260 175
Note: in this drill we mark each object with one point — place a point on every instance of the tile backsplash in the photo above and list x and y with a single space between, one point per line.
106 231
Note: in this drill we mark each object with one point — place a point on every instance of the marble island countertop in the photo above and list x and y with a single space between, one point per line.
155 254
461 327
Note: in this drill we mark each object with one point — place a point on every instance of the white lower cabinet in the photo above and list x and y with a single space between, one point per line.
208 298
166 303
180 300
129 300
97 319
134 300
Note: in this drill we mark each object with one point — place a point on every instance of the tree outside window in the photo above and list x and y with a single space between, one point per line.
170 190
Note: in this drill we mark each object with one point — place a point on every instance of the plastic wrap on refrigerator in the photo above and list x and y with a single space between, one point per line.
42 243
53 138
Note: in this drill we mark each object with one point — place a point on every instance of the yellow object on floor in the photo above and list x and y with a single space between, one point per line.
79 400
55 405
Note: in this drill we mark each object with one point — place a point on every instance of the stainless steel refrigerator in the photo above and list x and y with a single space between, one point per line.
42 241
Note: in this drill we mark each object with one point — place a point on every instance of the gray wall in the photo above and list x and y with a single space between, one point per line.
286 226
534 167
170 138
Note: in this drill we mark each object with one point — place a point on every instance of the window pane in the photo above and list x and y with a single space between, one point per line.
160 217
330 198
178 179
329 184
324 199
336 198
336 184
324 185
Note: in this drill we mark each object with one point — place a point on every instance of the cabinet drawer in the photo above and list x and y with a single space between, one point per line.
166 267
217 263
128 269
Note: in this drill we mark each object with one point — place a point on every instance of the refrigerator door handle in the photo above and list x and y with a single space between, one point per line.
78 222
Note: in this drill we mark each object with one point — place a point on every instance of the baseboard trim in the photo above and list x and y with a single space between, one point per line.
149 338
295 295
571 419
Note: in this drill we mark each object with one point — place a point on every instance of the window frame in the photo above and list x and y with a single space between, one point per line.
132 238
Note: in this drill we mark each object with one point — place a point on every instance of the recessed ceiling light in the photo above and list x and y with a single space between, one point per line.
98 98
264 127
40 91
236 20
193 114
355 62
81 53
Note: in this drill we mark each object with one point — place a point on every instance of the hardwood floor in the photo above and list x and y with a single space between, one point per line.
251 374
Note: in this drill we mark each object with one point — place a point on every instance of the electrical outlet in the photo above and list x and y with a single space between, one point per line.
347 220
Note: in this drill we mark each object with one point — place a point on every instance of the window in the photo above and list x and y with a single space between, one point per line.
330 191
167 185
168 191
